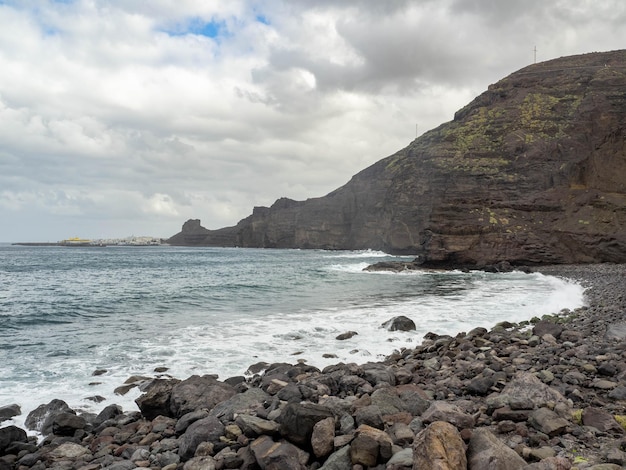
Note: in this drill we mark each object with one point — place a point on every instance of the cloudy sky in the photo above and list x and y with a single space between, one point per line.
128 117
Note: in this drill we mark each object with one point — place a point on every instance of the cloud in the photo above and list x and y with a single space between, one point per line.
126 116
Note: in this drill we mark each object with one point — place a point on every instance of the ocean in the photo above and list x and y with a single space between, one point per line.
77 322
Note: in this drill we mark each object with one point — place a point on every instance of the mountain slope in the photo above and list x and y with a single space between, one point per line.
532 171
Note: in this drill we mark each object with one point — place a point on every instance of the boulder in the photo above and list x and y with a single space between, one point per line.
298 420
9 435
247 402
66 424
369 446
400 323
155 400
448 412
253 426
271 455
42 417
439 447
601 420
545 327
525 386
323 437
488 452
338 460
9 411
209 429
198 392
548 422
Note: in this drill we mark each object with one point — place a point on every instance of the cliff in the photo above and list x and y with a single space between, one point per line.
533 171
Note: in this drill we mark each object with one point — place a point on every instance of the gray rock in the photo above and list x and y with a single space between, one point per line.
616 331
209 429
526 386
42 417
548 422
338 460
399 323
298 419
545 327
486 451
600 420
253 426
448 412
9 411
155 400
66 424
272 455
10 434
247 402
198 392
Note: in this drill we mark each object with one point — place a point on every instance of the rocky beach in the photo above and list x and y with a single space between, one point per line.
544 394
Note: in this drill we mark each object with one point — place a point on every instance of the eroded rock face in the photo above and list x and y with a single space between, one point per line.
532 171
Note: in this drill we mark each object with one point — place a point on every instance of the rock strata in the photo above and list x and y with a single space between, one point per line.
516 396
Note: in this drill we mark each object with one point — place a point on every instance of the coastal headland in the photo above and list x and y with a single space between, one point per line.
545 394
532 171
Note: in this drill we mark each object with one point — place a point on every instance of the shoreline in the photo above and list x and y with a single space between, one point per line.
470 372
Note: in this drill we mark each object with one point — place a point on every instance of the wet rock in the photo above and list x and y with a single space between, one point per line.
399 323
9 411
545 327
439 447
41 418
346 335
66 424
155 400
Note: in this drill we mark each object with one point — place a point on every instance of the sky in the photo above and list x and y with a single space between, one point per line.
128 117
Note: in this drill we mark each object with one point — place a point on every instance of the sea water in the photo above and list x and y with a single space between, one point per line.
67 312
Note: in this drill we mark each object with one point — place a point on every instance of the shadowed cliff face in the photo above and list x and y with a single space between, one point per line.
532 171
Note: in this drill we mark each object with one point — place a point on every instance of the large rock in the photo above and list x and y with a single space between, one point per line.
272 455
10 434
448 412
370 445
209 429
198 392
41 418
487 451
299 419
156 398
517 175
439 447
400 323
9 411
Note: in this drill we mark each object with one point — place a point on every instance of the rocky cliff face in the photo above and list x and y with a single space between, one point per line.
532 171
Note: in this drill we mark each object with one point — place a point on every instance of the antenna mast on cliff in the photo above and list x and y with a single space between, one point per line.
535 51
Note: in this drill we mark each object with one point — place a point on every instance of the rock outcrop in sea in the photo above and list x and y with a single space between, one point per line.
533 171
544 395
